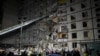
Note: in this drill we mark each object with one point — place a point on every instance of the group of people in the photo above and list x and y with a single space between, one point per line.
63 52
3 53
54 53
67 53
45 53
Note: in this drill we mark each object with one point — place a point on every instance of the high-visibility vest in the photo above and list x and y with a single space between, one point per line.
61 1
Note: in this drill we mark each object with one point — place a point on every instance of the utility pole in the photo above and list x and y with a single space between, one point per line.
22 19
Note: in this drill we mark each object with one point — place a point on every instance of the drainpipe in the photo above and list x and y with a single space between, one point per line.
92 20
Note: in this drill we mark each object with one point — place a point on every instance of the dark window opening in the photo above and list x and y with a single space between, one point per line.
86 34
98 25
73 26
97 14
72 9
63 35
98 9
73 18
84 24
98 31
74 45
83 6
99 36
98 20
84 14
74 35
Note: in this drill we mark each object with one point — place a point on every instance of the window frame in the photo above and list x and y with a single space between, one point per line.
73 17
74 45
98 36
85 33
72 9
73 25
98 30
98 25
74 35
85 14
84 24
83 5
